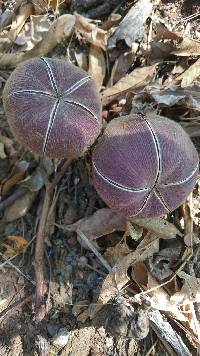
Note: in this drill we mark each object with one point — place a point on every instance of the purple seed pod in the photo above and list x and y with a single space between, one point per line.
144 167
52 107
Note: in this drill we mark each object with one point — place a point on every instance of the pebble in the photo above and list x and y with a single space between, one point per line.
52 329
82 262
60 340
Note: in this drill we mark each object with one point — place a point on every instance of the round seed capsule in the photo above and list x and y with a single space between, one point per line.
144 167
52 107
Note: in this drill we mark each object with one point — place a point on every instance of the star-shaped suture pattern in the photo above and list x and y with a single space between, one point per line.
154 189
59 97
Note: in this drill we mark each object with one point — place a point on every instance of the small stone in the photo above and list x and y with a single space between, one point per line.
82 262
60 340
52 329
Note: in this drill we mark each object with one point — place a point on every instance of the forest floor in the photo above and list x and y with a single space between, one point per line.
112 287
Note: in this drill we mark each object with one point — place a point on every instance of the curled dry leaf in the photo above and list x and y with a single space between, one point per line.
137 79
160 227
24 12
102 222
20 246
15 176
186 97
7 15
163 33
97 65
82 59
191 74
188 47
121 66
118 277
33 32
131 28
60 29
91 32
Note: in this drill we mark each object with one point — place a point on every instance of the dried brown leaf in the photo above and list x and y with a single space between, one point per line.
24 12
192 73
159 226
82 59
91 32
20 246
33 32
15 176
121 66
60 29
114 254
19 208
137 79
190 290
188 47
131 28
97 65
102 222
163 33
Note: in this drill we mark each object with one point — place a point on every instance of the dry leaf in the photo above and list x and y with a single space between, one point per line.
192 73
91 32
19 208
97 65
190 290
81 59
188 47
163 33
24 12
60 29
33 32
114 254
15 176
121 66
140 273
102 222
131 28
2 151
159 226
20 246
137 79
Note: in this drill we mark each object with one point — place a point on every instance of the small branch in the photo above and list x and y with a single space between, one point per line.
39 260
39 250
10 200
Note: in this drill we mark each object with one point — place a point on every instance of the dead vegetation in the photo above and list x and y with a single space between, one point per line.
102 285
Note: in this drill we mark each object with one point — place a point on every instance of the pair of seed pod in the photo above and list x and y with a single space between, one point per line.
142 166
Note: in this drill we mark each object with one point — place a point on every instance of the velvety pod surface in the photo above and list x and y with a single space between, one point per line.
53 107
143 166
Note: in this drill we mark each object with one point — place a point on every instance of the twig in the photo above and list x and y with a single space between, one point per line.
17 269
39 260
39 250
94 250
16 195
15 306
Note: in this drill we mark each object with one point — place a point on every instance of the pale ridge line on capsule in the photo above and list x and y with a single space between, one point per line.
158 150
30 91
161 199
50 124
72 102
143 204
117 185
181 181
77 85
50 74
